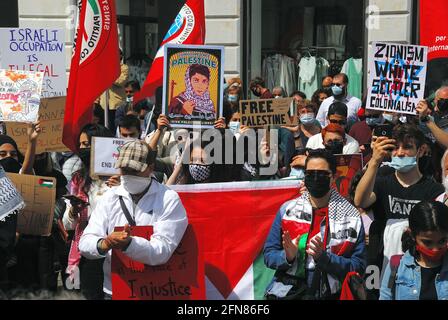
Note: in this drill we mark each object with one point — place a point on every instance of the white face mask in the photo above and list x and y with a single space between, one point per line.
134 184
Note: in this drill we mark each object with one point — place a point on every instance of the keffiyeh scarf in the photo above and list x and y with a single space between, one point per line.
10 199
203 104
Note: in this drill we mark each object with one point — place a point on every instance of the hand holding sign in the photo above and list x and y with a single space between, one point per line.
33 131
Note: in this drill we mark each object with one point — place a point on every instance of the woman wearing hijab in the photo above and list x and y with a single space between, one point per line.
195 100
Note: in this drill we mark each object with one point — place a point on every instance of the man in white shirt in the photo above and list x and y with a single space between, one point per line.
147 203
339 89
337 114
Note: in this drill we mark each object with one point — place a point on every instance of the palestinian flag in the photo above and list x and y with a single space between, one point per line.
234 220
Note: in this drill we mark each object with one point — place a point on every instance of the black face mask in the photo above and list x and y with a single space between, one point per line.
442 104
335 147
10 165
318 185
84 155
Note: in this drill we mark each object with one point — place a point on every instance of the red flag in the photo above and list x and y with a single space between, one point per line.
188 28
433 30
95 65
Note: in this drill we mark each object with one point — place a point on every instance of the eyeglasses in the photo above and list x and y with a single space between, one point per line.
318 173
340 122
337 84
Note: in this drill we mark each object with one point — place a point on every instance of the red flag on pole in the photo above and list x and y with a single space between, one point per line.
188 28
95 65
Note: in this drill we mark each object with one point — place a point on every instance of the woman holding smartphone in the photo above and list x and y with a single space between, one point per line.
85 193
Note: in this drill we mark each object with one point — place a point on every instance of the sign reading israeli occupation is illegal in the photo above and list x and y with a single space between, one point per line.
397 77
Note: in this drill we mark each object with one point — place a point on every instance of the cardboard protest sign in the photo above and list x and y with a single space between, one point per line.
51 115
347 165
397 77
193 85
260 113
39 194
20 95
36 50
181 278
104 155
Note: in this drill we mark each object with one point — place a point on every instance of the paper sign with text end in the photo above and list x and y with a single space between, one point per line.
39 194
104 155
268 112
181 278
51 117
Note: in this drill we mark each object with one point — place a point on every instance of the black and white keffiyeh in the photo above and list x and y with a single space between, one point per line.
10 199
203 104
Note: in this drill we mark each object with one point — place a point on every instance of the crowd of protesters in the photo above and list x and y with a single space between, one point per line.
401 191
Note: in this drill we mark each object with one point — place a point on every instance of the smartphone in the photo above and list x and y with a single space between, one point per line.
74 200
383 130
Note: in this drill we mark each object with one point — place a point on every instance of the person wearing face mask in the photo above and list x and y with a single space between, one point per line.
258 88
339 90
278 92
234 91
141 201
444 166
362 131
395 194
337 114
421 273
316 239
333 137
77 214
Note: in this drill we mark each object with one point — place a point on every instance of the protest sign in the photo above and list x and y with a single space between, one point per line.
347 165
36 50
193 85
39 194
104 154
20 95
397 77
181 278
51 117
260 113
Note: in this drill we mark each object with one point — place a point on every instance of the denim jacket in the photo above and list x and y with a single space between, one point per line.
408 280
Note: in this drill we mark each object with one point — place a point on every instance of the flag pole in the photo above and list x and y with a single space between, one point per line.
150 119
106 110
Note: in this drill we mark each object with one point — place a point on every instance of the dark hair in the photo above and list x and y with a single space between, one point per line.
403 133
337 108
130 121
198 68
343 76
315 97
322 154
256 82
134 84
425 216
7 139
298 93
98 112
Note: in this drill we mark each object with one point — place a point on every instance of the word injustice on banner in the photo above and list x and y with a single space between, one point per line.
259 113
397 77
36 50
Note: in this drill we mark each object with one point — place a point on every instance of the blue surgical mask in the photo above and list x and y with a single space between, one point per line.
234 126
232 97
371 122
337 91
403 164
388 117
307 118
297 173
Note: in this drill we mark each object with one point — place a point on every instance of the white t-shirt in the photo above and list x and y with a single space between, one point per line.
351 146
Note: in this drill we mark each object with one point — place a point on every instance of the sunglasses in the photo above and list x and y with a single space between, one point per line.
317 173
340 122
337 84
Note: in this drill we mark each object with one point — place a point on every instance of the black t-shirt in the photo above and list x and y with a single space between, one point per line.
397 201
428 287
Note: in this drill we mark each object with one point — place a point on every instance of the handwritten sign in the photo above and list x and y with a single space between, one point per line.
181 278
39 194
51 115
347 165
20 95
260 113
105 155
36 50
397 77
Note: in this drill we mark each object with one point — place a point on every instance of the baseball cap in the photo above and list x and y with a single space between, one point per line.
134 155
